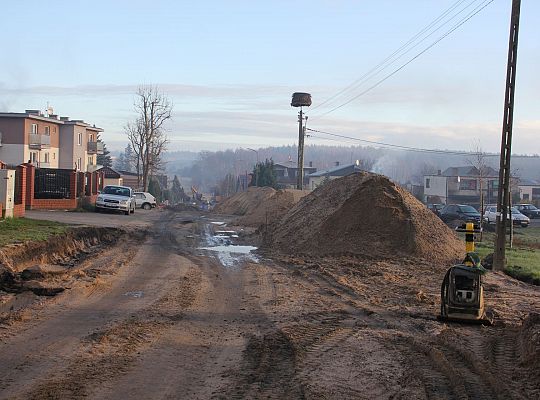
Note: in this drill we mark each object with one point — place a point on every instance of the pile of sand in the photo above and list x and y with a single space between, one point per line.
364 214
259 205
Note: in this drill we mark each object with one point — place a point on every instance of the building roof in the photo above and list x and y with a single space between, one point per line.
37 115
127 173
528 182
292 165
340 170
109 172
469 171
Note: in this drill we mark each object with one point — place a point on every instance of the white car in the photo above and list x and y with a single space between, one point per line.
144 200
116 198
490 216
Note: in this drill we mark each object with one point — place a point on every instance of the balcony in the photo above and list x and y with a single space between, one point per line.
95 148
38 141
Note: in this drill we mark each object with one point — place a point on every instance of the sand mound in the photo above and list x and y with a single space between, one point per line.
273 208
243 203
257 206
363 214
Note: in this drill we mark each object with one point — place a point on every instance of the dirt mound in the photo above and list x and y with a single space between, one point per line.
258 206
364 214
273 208
530 344
243 203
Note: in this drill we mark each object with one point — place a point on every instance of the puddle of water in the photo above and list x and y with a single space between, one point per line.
226 252
136 294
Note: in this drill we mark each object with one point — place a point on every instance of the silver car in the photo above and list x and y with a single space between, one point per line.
144 200
490 216
116 198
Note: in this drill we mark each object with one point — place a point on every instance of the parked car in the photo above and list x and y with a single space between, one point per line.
490 216
529 210
462 212
436 207
116 198
145 200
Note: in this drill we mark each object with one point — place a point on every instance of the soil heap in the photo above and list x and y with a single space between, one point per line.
364 214
259 205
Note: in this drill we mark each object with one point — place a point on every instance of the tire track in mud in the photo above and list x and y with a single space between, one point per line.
108 353
447 368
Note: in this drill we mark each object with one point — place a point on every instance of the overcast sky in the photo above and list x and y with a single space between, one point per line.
230 68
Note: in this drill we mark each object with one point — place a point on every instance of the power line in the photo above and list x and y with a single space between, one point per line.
404 148
402 47
459 24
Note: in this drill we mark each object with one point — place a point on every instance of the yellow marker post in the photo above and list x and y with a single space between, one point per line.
469 237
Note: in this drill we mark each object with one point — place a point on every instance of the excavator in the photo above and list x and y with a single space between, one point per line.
462 293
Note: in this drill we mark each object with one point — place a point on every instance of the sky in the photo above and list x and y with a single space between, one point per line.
230 68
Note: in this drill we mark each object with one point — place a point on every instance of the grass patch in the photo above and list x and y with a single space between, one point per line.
14 230
523 260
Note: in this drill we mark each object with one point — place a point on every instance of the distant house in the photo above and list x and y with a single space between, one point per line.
130 179
461 185
529 191
317 178
111 177
287 173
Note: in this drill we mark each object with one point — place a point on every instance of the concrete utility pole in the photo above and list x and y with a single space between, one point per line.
300 99
301 136
503 195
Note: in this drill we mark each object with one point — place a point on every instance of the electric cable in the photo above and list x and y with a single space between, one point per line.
410 41
454 28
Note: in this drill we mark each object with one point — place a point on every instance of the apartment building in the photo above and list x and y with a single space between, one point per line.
79 146
49 141
29 137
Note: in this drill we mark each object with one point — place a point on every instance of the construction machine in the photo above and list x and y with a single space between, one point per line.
462 293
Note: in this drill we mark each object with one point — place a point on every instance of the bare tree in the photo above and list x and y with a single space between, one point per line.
147 133
478 161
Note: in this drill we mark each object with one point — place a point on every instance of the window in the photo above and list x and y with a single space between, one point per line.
34 128
46 157
47 130
90 160
79 163
467 184
427 183
54 156
526 196
90 138
79 140
33 156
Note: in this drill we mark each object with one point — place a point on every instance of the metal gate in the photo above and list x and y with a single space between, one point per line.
52 183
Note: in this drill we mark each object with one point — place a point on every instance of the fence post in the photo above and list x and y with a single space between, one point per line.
73 185
29 184
95 182
20 185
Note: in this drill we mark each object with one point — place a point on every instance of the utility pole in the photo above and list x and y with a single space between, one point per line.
503 195
300 99
300 178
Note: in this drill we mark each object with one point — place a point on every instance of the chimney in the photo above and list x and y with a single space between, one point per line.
64 118
438 172
337 163
32 112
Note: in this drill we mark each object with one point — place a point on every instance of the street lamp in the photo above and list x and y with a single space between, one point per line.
256 167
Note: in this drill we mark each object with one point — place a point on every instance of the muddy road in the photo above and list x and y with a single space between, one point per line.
162 318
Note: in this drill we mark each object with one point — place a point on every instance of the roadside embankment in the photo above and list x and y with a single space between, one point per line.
24 265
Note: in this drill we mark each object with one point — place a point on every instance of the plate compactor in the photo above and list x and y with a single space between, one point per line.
462 294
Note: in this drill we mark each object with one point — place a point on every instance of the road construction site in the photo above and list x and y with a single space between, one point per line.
327 295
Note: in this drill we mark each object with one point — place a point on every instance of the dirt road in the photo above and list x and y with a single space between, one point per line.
163 319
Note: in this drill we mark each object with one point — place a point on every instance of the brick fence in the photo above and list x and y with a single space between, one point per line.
83 188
